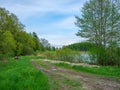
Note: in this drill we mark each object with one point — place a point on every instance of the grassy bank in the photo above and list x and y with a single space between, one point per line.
107 71
21 75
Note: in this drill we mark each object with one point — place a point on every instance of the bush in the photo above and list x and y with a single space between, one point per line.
64 55
4 57
27 50
50 54
105 56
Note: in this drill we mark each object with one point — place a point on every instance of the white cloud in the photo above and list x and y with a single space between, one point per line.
67 23
60 40
42 7
58 32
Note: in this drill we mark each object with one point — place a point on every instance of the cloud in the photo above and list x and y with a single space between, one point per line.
60 40
32 7
65 25
50 19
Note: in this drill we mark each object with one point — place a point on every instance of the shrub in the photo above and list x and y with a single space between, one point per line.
105 56
50 54
64 55
27 50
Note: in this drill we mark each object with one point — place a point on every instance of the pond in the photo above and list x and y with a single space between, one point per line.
85 58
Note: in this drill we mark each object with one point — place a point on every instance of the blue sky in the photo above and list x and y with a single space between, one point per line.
50 19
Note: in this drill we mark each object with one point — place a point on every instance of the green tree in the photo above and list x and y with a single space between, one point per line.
19 48
24 42
37 41
8 45
82 46
99 22
9 22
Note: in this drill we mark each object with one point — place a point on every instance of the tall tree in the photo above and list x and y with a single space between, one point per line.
100 22
36 40
44 42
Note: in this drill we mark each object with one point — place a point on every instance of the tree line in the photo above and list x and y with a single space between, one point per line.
14 40
82 46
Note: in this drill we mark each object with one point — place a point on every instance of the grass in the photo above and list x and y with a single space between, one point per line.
66 84
108 71
37 57
21 75
60 79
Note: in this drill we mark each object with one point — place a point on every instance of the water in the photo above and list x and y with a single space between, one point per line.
86 58
82 58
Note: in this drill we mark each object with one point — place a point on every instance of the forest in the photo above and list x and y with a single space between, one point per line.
29 62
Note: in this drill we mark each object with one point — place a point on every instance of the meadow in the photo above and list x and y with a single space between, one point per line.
107 71
21 75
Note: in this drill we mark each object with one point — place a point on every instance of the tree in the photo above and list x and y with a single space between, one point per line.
36 40
100 22
3 18
44 42
82 46
19 48
21 42
9 22
8 45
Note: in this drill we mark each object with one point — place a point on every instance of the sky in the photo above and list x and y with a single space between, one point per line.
50 19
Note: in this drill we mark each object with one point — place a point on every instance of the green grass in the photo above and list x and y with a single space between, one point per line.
66 83
57 81
108 71
21 75
37 57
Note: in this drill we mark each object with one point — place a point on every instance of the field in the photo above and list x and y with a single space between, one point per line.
107 71
35 73
21 75
80 78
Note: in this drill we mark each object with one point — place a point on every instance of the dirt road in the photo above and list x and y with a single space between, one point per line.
64 79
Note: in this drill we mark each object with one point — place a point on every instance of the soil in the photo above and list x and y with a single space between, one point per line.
65 79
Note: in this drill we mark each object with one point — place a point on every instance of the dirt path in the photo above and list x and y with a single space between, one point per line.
64 79
70 63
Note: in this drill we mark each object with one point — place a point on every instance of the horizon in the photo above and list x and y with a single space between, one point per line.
52 20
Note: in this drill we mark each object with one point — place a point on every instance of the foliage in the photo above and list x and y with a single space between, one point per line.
8 44
36 41
46 45
67 55
21 75
82 46
106 56
50 54
14 41
100 24
27 50
64 55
